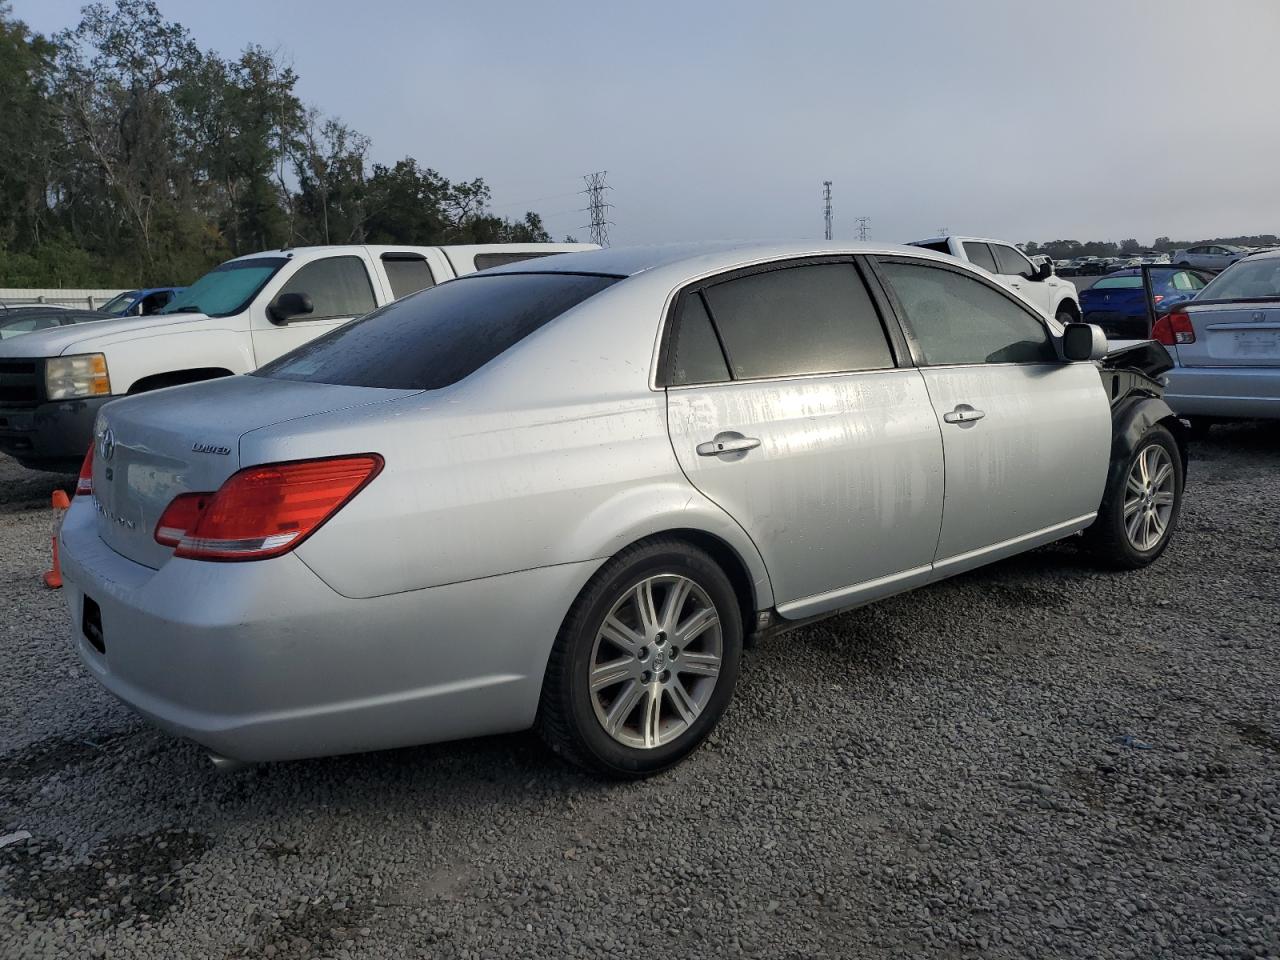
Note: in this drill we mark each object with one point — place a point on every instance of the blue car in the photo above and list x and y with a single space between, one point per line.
140 303
1116 303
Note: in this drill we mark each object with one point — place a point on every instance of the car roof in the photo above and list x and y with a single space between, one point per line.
699 258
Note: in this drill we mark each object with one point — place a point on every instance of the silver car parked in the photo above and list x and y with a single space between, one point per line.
563 493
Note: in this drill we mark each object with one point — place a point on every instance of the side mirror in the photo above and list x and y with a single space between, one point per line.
1084 341
1043 271
289 306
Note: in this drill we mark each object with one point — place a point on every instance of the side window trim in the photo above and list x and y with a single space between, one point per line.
917 355
664 374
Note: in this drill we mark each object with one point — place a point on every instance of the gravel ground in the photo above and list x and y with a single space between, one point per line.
1032 760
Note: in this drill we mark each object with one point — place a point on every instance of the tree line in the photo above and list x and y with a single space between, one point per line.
131 157
1067 249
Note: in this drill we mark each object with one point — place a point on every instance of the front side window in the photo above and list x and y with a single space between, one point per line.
979 255
437 337
337 286
1012 263
228 289
408 273
959 319
810 319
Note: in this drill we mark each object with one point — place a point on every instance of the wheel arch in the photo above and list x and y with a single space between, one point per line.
1130 421
1068 303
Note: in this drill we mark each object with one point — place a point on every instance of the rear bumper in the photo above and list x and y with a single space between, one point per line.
1244 392
51 436
263 661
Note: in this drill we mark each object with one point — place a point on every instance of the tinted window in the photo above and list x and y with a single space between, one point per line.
486 260
434 338
937 246
338 286
959 319
1011 262
979 255
1186 281
407 273
809 319
695 352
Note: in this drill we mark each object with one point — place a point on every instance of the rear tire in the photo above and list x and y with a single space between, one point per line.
645 662
1140 508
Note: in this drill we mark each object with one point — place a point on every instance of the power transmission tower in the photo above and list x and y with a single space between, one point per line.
598 207
944 231
826 206
864 228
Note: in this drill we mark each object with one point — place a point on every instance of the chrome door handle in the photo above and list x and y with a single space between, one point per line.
730 442
963 413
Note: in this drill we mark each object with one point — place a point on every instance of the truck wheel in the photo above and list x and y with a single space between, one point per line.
1140 508
645 662
1066 315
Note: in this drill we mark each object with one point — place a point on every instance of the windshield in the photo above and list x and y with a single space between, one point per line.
119 303
433 338
1246 280
227 289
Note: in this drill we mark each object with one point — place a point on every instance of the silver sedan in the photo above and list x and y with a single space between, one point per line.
562 494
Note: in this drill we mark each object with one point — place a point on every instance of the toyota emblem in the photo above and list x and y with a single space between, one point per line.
107 444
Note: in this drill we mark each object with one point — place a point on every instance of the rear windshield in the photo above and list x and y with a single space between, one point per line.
1111 283
1246 280
436 337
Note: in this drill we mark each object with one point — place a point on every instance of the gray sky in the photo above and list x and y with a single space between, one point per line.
1005 118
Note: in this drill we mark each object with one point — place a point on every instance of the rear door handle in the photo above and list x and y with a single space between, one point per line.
729 445
963 413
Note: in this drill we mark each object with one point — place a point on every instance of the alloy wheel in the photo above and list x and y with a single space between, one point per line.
1149 497
655 661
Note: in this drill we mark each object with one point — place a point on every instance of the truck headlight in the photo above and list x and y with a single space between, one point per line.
84 375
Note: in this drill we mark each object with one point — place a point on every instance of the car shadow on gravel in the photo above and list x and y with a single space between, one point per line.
23 489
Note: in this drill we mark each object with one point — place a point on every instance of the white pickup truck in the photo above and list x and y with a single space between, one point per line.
232 320
1035 282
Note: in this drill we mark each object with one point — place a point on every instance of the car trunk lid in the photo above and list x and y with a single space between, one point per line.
150 448
1232 334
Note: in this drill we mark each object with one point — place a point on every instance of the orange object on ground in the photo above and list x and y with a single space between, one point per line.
53 578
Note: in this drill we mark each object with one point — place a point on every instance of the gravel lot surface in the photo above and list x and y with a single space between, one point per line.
1033 760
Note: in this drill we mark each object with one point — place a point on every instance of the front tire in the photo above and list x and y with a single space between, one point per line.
1141 505
645 662
1066 315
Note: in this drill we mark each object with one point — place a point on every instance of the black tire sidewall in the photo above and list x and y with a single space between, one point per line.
1156 435
598 744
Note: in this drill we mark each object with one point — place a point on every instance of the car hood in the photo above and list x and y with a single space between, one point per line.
87 336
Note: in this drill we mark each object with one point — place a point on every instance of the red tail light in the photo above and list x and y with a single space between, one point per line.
84 483
264 511
1173 329
180 517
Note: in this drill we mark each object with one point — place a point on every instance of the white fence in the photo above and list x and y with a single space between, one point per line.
87 299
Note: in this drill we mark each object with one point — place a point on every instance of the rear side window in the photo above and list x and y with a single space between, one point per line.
337 286
408 273
816 318
1186 281
1112 283
486 260
1011 262
696 356
436 337
958 319
979 255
